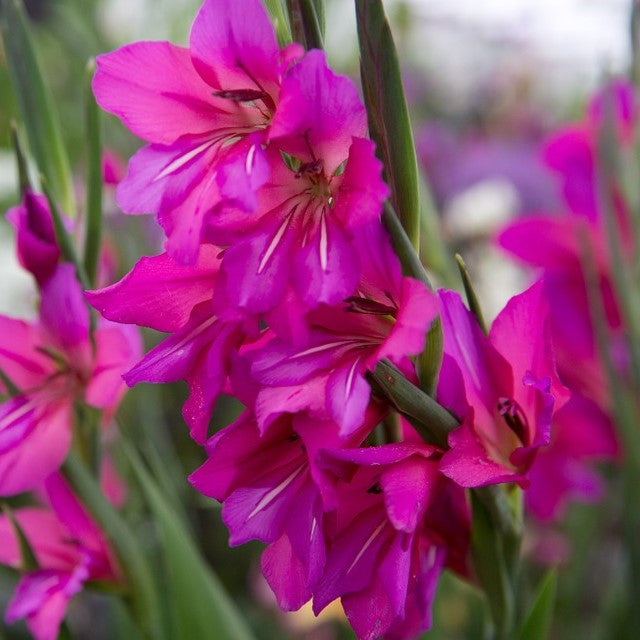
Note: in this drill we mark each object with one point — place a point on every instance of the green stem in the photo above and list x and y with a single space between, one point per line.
93 229
130 554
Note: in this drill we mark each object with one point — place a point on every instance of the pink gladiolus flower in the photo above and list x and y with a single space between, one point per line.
204 110
394 523
510 386
582 434
388 317
302 230
554 243
165 295
53 363
266 483
70 550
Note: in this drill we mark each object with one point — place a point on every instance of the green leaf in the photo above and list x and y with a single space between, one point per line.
489 562
36 106
280 22
430 359
472 298
21 159
306 18
129 551
10 387
28 559
538 621
411 265
197 599
93 212
387 112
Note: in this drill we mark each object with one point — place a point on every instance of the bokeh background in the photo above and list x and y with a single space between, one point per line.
486 83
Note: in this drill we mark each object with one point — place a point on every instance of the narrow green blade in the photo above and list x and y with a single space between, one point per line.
36 106
199 604
538 621
388 115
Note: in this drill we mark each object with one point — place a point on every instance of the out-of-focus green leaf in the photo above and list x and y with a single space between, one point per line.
197 600
430 359
487 552
130 554
433 248
21 159
93 211
28 559
538 621
36 106
411 265
306 18
280 22
472 298
387 112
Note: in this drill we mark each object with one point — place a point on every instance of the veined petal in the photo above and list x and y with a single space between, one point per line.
234 46
257 268
117 348
326 267
362 191
347 396
155 90
174 357
319 110
160 177
159 292
285 574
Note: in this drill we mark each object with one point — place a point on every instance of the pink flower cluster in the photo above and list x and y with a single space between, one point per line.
558 245
279 286
48 367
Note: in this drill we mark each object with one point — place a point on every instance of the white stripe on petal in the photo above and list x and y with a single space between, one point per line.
324 241
366 545
183 159
273 245
269 497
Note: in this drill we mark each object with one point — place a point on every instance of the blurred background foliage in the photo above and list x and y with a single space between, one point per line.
486 82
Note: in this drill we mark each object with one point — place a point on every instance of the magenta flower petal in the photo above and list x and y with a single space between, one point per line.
117 348
42 449
158 292
37 247
348 395
20 359
234 47
64 313
417 309
257 268
467 463
160 178
155 90
318 110
362 191
286 574
326 268
42 598
242 173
